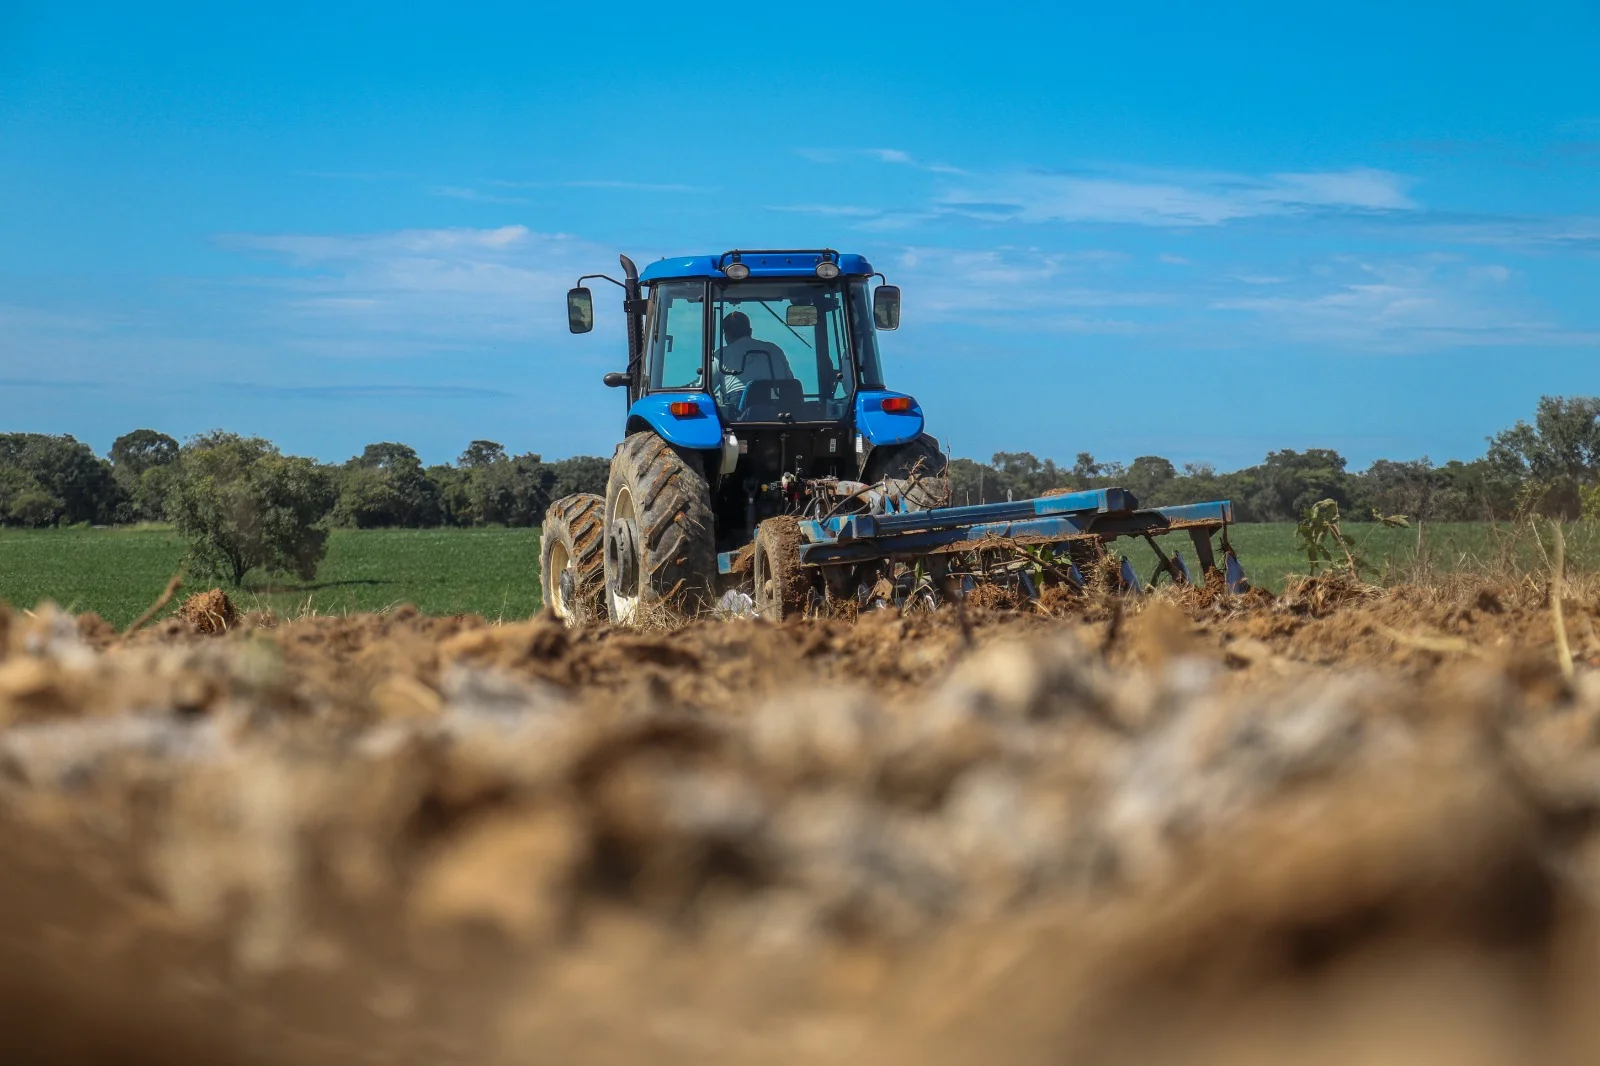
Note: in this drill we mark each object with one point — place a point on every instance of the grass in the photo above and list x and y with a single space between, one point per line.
1269 550
117 573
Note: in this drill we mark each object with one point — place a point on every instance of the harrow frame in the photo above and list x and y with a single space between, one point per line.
1088 519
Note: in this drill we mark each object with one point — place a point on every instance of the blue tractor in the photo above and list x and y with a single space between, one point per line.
764 453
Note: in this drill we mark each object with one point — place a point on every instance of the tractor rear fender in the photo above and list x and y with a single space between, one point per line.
880 427
700 429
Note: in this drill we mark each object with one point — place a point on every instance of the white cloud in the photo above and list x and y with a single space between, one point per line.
835 210
1020 289
1339 303
1426 304
892 156
1358 187
1175 199
1560 232
427 286
601 183
455 192
1126 196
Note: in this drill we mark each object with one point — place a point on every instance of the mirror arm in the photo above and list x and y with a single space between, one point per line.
602 277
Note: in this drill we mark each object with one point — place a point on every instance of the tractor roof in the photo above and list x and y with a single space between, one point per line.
761 264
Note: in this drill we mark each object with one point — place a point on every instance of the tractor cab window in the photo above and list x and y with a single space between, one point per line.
677 335
780 351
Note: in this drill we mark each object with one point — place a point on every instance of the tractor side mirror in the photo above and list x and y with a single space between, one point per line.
616 380
580 310
886 307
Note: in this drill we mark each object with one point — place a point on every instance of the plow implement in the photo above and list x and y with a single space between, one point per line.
885 555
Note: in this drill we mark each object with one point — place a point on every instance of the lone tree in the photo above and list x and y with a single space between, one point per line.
244 506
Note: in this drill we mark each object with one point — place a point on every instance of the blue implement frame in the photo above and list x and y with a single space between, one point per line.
1099 515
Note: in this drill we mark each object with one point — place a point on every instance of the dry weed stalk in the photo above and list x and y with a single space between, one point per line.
1429 642
155 608
1557 590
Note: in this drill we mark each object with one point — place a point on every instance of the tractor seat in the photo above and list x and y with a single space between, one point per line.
772 400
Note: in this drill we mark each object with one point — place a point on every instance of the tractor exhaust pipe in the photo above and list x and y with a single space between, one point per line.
633 305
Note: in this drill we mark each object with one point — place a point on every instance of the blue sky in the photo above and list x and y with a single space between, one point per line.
1164 229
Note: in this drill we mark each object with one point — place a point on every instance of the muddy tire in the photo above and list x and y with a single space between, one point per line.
918 470
782 588
572 559
660 544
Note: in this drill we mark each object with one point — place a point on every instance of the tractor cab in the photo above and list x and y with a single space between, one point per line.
765 365
773 351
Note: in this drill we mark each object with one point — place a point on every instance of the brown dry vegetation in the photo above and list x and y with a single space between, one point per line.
1348 824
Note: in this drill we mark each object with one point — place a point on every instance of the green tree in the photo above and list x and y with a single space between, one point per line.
386 486
481 453
1288 483
1085 470
243 505
62 479
1557 455
580 473
1407 488
455 508
510 491
1150 479
141 463
136 452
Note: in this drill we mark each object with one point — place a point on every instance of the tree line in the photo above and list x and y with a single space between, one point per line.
147 476
1550 465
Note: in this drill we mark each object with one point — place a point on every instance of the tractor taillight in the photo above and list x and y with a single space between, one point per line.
684 408
897 405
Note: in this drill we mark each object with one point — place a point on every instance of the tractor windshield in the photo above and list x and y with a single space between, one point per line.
780 349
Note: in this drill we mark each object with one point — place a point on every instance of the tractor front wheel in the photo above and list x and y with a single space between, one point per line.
571 559
660 541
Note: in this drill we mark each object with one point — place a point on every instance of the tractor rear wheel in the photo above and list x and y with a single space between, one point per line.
781 586
660 541
572 558
917 470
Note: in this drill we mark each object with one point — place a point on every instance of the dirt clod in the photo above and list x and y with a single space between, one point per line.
209 612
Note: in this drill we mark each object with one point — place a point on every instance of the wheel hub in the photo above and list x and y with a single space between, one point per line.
622 552
568 582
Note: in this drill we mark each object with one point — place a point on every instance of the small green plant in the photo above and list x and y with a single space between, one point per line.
1044 559
1320 535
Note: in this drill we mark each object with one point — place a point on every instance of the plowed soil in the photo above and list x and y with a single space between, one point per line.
1343 825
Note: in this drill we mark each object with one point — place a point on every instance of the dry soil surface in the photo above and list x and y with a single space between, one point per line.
1346 825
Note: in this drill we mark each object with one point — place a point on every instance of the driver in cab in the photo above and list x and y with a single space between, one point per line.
743 360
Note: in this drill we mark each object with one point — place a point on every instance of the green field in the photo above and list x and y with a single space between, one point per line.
117 573
1270 553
